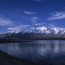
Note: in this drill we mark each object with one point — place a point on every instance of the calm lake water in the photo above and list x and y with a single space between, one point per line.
48 52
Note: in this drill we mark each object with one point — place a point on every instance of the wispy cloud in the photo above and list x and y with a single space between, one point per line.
4 22
57 15
18 28
52 25
34 19
37 24
29 12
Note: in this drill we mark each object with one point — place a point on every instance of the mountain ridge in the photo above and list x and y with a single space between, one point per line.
41 29
39 33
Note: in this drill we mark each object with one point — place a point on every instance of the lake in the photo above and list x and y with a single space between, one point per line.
48 52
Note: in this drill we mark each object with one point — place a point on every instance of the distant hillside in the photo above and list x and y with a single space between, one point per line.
30 36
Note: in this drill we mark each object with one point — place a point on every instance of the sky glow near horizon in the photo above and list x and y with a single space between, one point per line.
19 14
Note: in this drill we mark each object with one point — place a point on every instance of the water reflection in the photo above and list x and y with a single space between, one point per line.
35 51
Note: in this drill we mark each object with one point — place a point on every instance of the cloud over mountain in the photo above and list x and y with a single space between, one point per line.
20 28
41 29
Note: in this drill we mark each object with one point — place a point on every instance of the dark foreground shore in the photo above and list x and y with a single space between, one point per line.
6 59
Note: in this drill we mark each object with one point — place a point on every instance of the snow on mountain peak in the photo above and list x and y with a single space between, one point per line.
41 29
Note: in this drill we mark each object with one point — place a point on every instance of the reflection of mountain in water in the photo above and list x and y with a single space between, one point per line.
53 47
40 47
37 51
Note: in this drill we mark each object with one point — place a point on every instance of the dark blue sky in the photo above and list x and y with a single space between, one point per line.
14 13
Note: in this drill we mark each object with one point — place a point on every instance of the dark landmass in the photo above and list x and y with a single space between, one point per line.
13 41
24 37
6 59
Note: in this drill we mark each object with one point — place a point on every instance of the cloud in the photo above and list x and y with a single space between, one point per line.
58 29
52 25
57 15
17 29
37 29
30 30
27 28
4 22
55 30
37 24
34 19
29 13
41 28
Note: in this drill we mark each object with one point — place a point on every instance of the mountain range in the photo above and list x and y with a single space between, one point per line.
39 33
40 29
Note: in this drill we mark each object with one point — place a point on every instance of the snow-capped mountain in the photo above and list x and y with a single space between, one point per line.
34 33
41 29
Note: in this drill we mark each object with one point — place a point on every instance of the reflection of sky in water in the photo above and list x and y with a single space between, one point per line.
34 50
